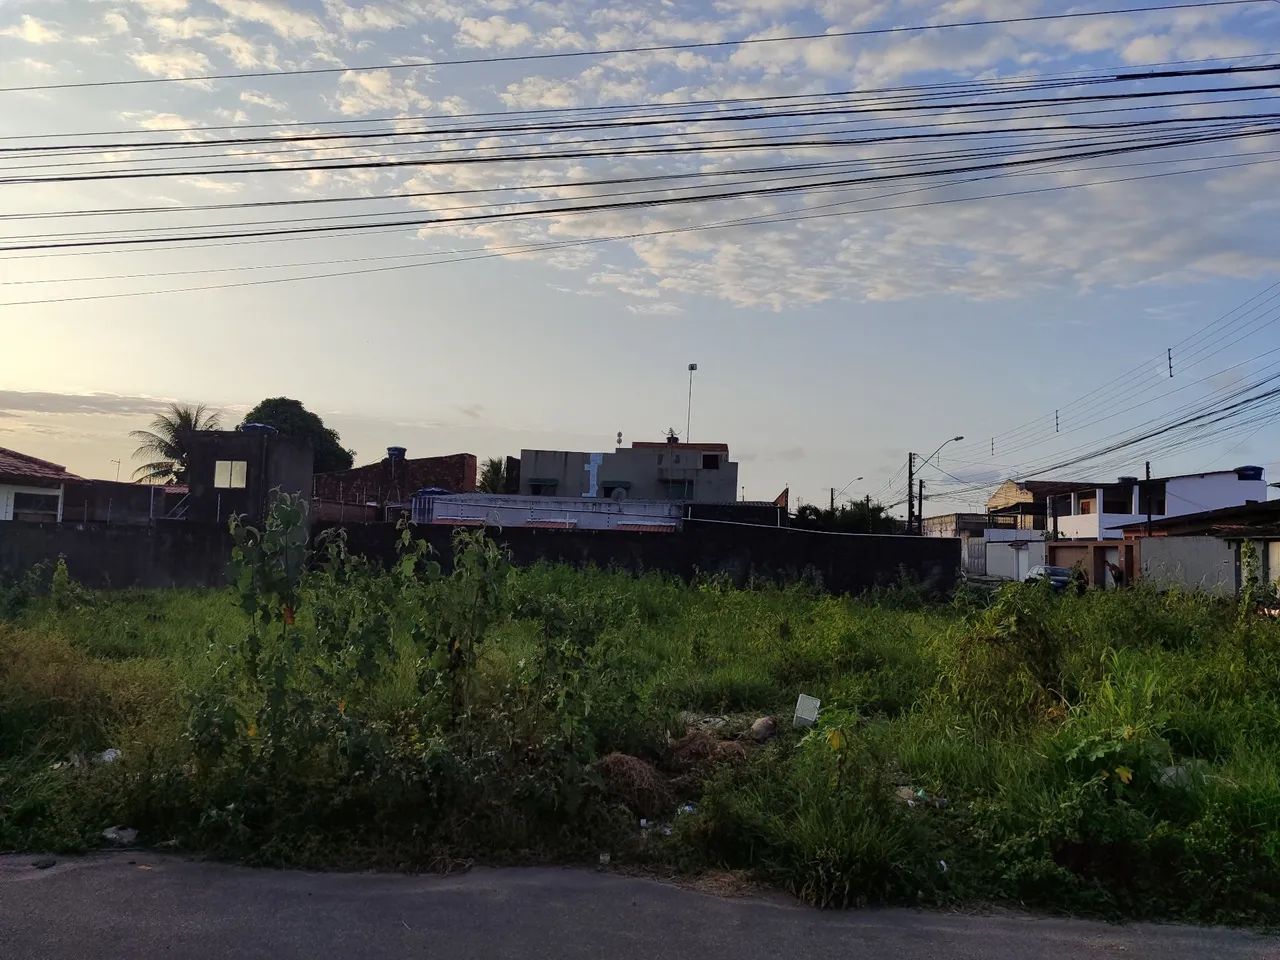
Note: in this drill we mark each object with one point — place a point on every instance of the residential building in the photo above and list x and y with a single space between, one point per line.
241 471
31 489
366 493
1023 504
1100 511
692 472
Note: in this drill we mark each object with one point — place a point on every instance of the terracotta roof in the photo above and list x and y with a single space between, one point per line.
20 466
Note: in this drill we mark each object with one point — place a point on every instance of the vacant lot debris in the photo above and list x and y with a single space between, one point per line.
636 783
918 797
807 709
123 836
110 755
764 729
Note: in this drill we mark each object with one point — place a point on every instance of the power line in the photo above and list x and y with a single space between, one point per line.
655 48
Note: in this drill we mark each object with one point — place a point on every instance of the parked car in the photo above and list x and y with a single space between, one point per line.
1059 577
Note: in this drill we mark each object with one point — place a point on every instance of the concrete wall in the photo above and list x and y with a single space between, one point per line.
493 509
1192 563
644 473
108 501
171 554
840 563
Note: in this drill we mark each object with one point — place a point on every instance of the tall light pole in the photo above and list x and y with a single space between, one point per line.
911 468
835 493
689 410
117 463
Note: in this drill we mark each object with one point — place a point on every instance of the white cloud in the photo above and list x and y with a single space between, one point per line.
378 90
367 17
246 54
115 22
534 92
183 28
288 22
259 99
663 308
158 7
175 61
32 31
496 31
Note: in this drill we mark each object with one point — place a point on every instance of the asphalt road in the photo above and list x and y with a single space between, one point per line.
141 906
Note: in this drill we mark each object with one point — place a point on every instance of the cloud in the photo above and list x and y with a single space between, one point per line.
259 99
378 90
496 31
32 31
367 17
113 404
655 309
246 54
183 28
534 92
115 23
175 61
158 7
289 23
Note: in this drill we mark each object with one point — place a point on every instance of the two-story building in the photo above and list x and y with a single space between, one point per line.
690 472
1098 511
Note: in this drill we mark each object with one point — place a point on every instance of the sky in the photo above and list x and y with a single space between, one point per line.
827 348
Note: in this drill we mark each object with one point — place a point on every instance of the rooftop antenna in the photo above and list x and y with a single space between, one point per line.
619 438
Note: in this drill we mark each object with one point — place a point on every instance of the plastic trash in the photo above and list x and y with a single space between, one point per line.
120 835
807 709
110 755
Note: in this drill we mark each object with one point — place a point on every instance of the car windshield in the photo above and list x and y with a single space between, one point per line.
1056 572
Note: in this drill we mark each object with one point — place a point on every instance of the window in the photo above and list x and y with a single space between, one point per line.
543 488
229 474
711 461
35 506
675 458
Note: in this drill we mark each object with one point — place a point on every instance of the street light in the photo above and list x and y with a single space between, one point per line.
835 493
911 493
688 419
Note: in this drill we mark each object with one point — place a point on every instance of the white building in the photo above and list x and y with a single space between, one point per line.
547 513
1096 511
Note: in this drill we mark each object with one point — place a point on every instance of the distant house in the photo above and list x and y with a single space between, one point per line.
689 472
365 493
31 489
1102 511
1024 504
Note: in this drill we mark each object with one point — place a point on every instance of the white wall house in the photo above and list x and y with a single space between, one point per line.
1095 512
31 489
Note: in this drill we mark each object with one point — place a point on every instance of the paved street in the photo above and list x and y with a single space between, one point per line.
139 906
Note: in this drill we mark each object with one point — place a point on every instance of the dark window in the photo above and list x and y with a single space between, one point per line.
543 488
675 458
35 506
711 461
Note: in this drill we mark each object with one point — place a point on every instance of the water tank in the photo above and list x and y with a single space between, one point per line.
395 453
257 428
1127 481
1249 473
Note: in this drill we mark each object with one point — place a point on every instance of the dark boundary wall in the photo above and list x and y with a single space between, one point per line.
181 553
173 553
839 563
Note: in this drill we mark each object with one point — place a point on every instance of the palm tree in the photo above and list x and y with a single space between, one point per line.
166 442
493 476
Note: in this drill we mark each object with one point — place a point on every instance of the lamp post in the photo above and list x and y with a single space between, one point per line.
911 469
689 410
835 493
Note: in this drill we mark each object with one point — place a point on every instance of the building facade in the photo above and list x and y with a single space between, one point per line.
1101 511
31 489
240 472
691 472
365 493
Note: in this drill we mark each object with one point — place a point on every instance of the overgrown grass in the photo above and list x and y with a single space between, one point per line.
1115 754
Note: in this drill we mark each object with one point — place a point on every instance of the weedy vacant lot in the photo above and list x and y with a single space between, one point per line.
1116 754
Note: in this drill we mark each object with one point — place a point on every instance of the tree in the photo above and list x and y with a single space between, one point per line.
855 517
493 476
166 442
291 418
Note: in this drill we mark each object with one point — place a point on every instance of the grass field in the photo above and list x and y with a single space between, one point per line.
1115 754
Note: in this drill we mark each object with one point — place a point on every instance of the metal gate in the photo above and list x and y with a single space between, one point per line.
975 557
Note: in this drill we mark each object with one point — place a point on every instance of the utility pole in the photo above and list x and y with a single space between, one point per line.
833 499
688 418
911 486
868 502
920 512
1146 490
